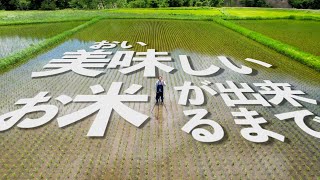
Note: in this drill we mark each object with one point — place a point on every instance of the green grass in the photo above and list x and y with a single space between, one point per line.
293 52
43 30
172 11
269 12
24 55
25 17
302 34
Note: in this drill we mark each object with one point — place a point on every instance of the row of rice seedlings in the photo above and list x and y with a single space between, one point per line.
290 51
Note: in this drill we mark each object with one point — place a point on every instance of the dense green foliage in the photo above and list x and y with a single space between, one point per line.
101 4
305 4
254 3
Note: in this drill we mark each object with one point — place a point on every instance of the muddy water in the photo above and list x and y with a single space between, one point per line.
159 148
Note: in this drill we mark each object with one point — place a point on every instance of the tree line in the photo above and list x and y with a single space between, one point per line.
104 4
101 4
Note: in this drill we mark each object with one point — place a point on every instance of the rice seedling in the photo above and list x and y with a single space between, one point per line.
159 149
293 52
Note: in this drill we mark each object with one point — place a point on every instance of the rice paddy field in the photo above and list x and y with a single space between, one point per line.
304 35
19 37
159 149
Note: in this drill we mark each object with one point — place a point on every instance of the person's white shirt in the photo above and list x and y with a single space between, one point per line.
162 81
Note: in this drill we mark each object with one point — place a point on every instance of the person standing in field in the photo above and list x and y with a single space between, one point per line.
159 89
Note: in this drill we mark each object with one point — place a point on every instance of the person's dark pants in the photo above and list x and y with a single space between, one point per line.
159 96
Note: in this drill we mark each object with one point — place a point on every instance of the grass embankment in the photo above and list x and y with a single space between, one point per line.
290 51
26 54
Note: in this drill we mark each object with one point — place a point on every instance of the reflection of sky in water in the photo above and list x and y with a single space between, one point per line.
19 37
12 44
198 60
23 86
203 52
72 84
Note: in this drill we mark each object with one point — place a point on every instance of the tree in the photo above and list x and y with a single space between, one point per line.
9 5
23 4
121 3
153 3
198 4
137 4
175 3
48 5
62 4
163 3
188 3
215 3
254 3
35 4
305 4
84 4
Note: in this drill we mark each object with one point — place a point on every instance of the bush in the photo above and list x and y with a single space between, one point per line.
84 4
121 4
305 4
137 4
163 3
48 5
254 3
198 4
9 4
215 3
175 3
153 3
23 4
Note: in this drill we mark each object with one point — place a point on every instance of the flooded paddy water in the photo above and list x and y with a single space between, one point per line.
14 38
159 149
